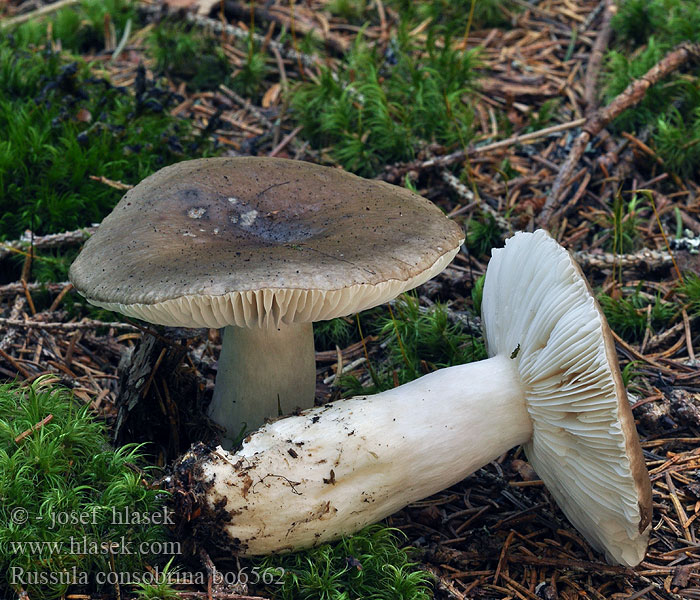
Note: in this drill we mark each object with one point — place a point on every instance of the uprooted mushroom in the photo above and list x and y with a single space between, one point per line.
552 383
261 247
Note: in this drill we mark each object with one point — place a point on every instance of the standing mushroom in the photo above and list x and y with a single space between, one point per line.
262 247
552 384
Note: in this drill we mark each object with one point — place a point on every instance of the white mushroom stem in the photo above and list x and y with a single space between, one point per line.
306 479
263 372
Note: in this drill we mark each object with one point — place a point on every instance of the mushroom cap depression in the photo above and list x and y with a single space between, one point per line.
260 241
584 445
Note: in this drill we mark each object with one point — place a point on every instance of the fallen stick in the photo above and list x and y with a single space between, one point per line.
46 241
33 428
12 289
395 172
279 15
85 324
15 313
243 35
596 60
40 12
644 260
632 95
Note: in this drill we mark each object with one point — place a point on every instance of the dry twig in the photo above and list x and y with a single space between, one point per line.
632 95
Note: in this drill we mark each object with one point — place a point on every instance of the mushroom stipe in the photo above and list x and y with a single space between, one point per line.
552 383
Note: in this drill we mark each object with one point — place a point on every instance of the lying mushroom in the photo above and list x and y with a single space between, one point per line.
552 384
262 247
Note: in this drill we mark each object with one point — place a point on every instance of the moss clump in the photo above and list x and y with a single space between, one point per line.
631 315
62 125
453 16
79 29
646 31
378 107
63 493
689 291
189 56
370 564
417 342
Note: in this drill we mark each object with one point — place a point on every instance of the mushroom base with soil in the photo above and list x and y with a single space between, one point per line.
259 377
307 479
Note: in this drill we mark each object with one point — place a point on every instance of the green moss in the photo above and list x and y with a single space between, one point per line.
249 78
79 29
478 294
377 108
689 291
483 234
336 332
622 224
192 57
646 30
370 564
416 342
63 473
452 16
628 315
349 10
63 125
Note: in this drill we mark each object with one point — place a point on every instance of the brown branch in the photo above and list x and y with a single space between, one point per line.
33 428
572 564
396 172
596 60
632 95
12 289
241 34
280 15
40 12
644 260
85 324
53 240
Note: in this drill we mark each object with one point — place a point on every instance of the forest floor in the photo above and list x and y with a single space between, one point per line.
536 129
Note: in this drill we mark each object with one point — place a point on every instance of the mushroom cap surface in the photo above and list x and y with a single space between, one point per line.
260 241
539 310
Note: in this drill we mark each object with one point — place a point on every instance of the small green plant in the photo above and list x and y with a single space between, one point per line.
417 342
190 56
483 234
630 315
336 332
646 30
349 10
545 115
248 79
79 29
630 373
377 108
161 588
625 223
62 125
636 20
452 16
427 338
678 138
478 293
370 564
689 290
65 495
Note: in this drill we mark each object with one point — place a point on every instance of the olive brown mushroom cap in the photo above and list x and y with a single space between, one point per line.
584 444
259 241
